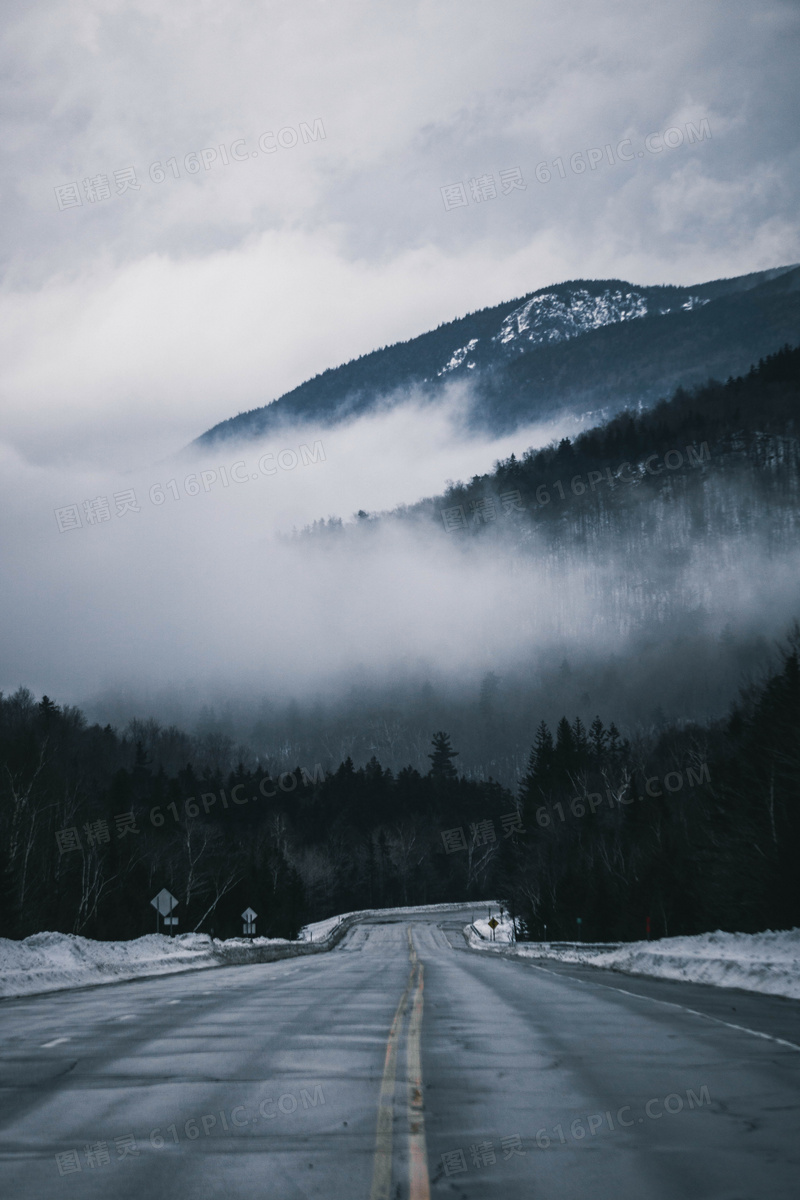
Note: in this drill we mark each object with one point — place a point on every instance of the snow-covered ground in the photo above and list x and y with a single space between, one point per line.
503 934
757 962
47 962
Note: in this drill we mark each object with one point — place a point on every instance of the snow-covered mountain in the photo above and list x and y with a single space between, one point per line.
583 345
548 318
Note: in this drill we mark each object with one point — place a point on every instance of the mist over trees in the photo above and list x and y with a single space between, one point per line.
688 451
652 562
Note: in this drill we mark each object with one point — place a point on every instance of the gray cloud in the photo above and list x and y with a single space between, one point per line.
131 324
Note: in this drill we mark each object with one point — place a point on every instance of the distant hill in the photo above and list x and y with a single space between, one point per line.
580 347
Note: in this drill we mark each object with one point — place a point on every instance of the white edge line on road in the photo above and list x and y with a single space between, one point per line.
55 1042
670 1004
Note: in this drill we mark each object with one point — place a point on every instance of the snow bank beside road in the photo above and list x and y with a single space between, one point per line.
757 962
50 962
47 962
503 934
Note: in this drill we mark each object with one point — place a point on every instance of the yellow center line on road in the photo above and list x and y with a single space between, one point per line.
382 1170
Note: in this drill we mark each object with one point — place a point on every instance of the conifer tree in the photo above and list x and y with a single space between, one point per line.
442 757
598 739
47 708
540 762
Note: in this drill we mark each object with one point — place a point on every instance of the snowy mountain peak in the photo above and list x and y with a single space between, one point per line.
551 318
529 355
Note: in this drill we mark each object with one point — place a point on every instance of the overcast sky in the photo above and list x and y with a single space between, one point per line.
139 308
133 322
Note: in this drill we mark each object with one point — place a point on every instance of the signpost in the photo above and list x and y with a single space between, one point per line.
164 903
249 918
493 923
578 920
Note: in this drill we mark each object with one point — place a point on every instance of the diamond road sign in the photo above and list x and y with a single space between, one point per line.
493 923
249 916
165 902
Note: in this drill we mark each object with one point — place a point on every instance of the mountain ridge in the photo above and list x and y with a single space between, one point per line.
521 358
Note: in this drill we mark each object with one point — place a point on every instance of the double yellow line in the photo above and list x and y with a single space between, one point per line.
419 1185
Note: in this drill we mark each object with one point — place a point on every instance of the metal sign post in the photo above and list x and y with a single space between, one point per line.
249 918
164 904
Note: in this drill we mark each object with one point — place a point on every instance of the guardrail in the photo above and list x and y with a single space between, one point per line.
575 945
233 955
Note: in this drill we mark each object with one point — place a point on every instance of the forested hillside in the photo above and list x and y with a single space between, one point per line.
584 346
642 542
746 430
661 546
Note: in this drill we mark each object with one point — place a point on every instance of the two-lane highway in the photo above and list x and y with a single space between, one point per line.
400 1065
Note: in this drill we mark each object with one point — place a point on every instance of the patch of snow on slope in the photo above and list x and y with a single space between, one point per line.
548 318
459 357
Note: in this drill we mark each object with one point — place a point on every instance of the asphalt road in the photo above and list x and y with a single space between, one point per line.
401 1064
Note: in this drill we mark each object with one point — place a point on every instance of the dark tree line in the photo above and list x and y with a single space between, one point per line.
695 828
698 830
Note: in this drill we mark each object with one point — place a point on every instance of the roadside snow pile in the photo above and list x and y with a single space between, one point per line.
47 962
503 934
757 962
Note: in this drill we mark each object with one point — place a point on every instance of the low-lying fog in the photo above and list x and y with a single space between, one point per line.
207 598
